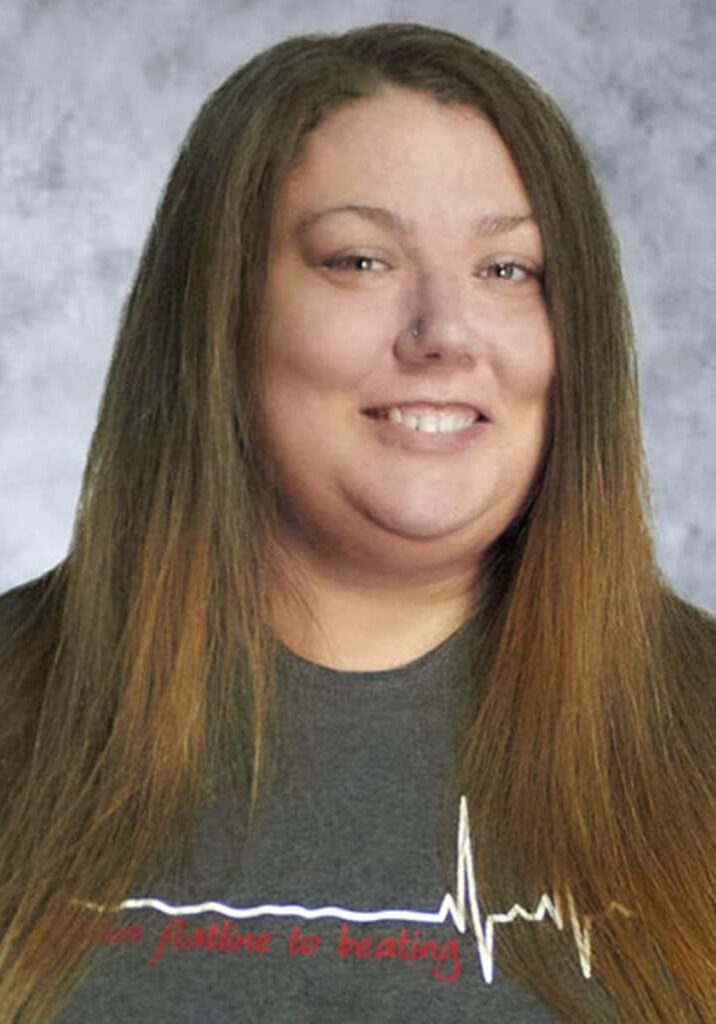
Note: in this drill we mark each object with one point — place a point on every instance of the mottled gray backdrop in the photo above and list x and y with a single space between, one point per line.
97 95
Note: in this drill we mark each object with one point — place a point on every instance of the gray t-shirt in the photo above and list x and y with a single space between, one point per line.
336 909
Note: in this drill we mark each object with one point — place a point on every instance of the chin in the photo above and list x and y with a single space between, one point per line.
425 526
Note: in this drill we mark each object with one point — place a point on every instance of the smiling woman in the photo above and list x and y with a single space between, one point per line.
361 651
415 489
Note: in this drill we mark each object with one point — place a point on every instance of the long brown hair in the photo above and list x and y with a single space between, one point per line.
589 761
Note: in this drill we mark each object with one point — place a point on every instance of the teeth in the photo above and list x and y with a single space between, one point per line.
436 423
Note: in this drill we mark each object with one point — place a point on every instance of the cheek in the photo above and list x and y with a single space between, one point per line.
305 347
526 365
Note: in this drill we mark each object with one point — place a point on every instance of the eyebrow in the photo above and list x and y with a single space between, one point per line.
485 226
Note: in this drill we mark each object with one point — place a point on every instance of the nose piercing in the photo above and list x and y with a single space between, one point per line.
415 331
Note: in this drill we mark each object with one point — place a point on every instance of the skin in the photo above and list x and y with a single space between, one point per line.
388 540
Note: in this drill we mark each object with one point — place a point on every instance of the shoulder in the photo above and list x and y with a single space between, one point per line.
19 602
26 632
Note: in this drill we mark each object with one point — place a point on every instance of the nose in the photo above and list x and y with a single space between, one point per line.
438 324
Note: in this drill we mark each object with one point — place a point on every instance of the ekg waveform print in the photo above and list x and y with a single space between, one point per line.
462 909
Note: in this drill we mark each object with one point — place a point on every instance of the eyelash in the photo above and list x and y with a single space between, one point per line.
338 263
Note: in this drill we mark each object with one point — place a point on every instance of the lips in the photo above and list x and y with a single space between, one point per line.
396 437
424 407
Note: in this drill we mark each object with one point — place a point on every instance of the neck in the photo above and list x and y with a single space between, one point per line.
353 622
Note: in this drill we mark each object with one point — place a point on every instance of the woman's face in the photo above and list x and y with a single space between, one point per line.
404 213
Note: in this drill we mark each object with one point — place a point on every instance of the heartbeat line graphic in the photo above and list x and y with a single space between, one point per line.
465 906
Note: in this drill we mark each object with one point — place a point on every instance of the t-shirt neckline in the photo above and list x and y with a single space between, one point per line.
303 669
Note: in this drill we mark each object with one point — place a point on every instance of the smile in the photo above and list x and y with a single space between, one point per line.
432 433
435 423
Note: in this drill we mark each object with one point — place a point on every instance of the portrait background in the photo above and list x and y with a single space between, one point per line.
98 96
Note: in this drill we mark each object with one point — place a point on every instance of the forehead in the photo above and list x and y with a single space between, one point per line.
405 149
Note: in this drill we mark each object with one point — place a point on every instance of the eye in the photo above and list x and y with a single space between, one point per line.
352 261
511 270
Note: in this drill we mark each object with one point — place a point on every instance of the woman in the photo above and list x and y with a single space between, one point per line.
327 715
